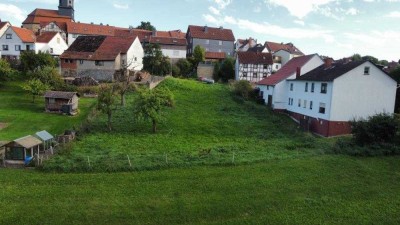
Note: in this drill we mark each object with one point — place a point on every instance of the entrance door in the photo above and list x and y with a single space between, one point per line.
270 101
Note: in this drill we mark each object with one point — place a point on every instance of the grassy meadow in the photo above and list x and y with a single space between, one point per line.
207 126
20 117
315 190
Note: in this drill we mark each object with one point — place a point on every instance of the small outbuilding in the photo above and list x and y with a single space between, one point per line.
22 149
62 102
46 138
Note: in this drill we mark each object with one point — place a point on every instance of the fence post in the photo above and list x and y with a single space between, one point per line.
88 159
130 164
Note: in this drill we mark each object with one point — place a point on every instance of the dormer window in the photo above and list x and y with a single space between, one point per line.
366 70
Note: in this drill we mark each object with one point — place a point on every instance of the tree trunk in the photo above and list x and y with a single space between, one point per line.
123 101
109 121
154 126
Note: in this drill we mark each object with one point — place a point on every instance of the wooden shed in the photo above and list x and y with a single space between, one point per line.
62 102
18 151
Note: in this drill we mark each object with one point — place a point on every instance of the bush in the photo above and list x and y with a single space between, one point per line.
50 76
92 90
381 128
31 61
185 67
243 89
176 72
5 70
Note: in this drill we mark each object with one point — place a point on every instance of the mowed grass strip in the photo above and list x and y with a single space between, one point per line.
23 117
208 126
318 190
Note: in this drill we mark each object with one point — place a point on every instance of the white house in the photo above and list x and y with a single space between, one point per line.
15 40
285 51
4 25
51 42
325 99
253 66
274 88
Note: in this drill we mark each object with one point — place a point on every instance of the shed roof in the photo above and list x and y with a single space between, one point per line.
44 135
59 94
28 141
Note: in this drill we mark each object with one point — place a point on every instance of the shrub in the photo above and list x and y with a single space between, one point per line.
92 90
31 61
185 67
381 128
176 72
243 89
5 70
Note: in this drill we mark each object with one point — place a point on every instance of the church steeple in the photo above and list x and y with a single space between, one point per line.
66 8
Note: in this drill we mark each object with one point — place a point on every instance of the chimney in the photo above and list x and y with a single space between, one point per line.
328 62
221 27
205 29
91 23
101 24
298 72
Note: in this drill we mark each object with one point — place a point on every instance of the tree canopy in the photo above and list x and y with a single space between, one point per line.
146 26
225 71
31 61
107 102
155 62
199 54
5 70
150 104
35 87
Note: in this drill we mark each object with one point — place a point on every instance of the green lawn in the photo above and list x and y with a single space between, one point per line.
22 117
315 190
207 126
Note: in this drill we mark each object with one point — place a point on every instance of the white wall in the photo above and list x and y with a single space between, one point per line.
135 56
286 56
356 95
171 53
316 97
2 30
12 43
71 38
57 44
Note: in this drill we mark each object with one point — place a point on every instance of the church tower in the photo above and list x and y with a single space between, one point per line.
66 8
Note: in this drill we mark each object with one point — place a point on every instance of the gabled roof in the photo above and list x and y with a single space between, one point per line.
90 29
46 37
44 135
60 94
3 24
104 48
28 141
289 47
257 48
336 70
45 15
143 35
168 41
211 33
287 70
215 55
255 58
26 36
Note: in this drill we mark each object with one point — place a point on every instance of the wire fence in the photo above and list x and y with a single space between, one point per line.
153 161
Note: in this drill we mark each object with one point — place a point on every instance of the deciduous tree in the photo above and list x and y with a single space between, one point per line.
5 70
106 102
199 54
150 105
31 61
146 26
35 87
154 61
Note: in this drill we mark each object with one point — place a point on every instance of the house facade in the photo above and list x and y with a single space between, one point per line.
100 57
253 66
51 42
213 40
285 51
61 102
15 40
325 99
274 88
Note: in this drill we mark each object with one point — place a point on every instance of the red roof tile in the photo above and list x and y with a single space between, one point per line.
289 47
90 29
174 37
112 47
286 71
46 37
25 35
168 41
211 33
45 15
61 25
255 58
215 55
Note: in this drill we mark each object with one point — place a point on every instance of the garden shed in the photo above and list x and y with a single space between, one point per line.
46 138
18 151
62 102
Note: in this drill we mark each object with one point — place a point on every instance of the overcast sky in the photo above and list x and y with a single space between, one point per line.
336 28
